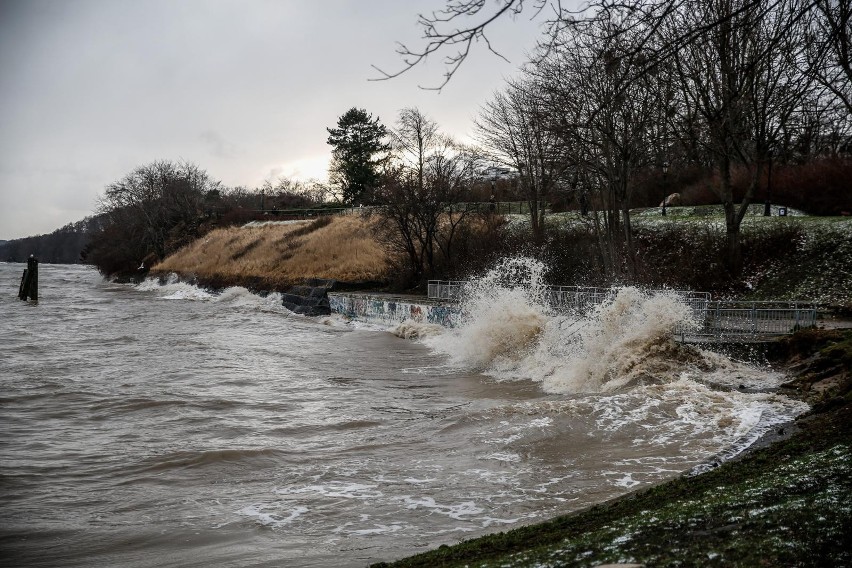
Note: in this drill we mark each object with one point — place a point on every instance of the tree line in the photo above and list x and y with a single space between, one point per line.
622 92
62 246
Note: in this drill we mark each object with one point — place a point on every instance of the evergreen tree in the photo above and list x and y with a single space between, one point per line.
359 151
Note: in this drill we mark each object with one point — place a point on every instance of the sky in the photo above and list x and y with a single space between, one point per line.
245 89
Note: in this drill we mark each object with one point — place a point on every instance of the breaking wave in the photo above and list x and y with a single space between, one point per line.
410 329
510 332
173 288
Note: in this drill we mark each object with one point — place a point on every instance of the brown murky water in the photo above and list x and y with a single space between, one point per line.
166 426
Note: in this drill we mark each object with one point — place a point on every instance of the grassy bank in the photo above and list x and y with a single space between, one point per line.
786 258
275 256
784 504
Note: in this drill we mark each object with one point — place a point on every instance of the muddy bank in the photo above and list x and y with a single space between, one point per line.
785 502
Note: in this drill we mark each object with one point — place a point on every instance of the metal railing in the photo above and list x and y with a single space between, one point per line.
711 319
445 289
576 298
739 319
581 299
497 207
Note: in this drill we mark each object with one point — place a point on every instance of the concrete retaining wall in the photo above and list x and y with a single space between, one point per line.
389 310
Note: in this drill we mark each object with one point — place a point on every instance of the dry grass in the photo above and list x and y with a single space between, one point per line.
274 256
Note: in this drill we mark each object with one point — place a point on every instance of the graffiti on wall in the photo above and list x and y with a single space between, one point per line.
378 310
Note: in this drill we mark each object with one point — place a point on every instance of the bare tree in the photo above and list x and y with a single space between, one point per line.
610 122
740 84
149 213
743 78
513 129
429 173
460 25
829 41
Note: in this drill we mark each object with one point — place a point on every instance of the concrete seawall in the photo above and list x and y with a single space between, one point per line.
388 309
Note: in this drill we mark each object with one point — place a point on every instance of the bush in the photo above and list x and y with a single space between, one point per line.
819 187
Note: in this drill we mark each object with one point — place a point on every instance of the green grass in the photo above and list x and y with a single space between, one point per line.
803 258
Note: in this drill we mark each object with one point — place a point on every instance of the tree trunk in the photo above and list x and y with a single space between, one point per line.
628 241
733 250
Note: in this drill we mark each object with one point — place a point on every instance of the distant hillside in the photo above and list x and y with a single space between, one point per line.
63 246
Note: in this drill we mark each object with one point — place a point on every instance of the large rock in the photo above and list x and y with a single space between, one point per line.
310 299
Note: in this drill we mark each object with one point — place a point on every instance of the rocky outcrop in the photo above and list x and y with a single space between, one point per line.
310 299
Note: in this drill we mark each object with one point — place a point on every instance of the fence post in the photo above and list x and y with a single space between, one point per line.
718 321
753 318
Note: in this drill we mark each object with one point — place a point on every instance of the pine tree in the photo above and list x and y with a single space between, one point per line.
359 151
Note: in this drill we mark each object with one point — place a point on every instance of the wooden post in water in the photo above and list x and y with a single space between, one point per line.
29 281
22 290
32 268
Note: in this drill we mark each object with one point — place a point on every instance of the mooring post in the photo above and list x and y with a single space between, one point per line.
32 268
22 290
29 281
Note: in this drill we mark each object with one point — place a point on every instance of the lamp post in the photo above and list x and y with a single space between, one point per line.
665 176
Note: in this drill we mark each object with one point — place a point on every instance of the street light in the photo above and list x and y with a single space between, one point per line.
665 175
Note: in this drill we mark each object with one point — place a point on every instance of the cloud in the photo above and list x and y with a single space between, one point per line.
244 89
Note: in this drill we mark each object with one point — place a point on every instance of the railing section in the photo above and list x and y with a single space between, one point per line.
445 289
716 319
734 319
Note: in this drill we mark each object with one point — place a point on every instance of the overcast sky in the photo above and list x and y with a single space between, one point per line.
90 89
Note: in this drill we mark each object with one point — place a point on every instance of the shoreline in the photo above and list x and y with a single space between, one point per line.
715 517
709 519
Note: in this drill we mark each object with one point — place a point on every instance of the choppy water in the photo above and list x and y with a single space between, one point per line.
166 426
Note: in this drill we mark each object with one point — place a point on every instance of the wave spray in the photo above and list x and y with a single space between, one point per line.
511 331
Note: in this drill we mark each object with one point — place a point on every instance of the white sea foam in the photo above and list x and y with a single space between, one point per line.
504 457
509 332
458 511
379 529
259 515
173 288
335 489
